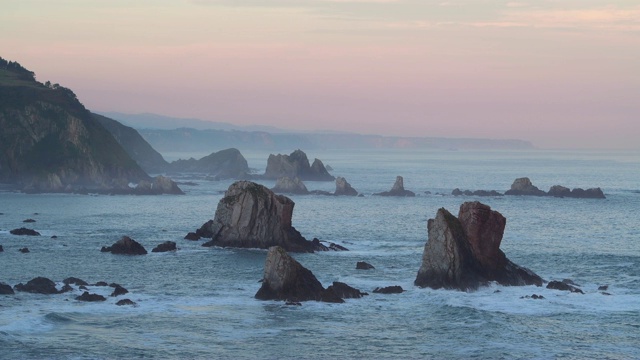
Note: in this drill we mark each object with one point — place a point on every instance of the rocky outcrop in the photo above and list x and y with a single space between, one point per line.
39 285
463 253
124 302
6 289
397 189
252 216
345 291
523 186
564 286
287 185
165 246
75 281
296 165
285 279
86 296
125 246
561 191
159 185
344 188
458 192
24 231
118 290
224 164
24 250
362 265
394 289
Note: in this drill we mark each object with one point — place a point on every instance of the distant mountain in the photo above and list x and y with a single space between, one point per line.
50 143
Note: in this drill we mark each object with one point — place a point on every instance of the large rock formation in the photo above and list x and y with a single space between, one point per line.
252 216
463 253
561 191
397 189
344 188
287 185
523 186
224 164
296 165
285 279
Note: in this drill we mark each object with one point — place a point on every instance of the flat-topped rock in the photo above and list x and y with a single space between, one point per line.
397 189
463 253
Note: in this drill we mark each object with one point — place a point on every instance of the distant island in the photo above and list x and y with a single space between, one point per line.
167 134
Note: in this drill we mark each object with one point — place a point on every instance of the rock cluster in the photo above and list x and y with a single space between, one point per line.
296 165
463 253
523 186
397 189
458 192
125 246
252 216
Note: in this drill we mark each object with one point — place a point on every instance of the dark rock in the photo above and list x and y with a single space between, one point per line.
361 265
606 293
24 250
345 291
6 289
66 288
569 282
397 189
119 290
336 247
320 192
559 191
39 285
285 279
389 290
344 188
28 221
523 186
82 287
252 216
458 192
192 236
224 164
90 297
101 283
75 281
603 288
287 185
328 167
559 285
24 231
593 193
293 303
296 165
125 246
159 185
205 230
463 253
165 246
1 248
125 302
54 236
534 296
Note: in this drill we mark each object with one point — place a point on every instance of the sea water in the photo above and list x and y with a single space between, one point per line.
199 302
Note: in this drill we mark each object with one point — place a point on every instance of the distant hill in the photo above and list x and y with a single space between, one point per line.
50 143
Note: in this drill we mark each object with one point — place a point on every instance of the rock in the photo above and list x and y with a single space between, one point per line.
252 216
125 246
327 167
345 291
75 281
458 192
125 302
593 193
101 283
389 290
344 188
54 236
24 250
463 253
397 189
160 185
296 165
66 288
285 279
534 296
205 230
24 231
39 285
90 297
192 236
224 164
603 287
361 265
28 221
559 191
118 290
1 248
165 246
523 186
560 285
6 289
287 185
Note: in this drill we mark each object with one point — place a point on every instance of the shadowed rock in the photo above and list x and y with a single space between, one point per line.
285 279
75 281
523 186
39 285
252 216
561 191
192 236
6 289
564 286
1 248
344 188
287 185
86 296
345 291
159 185
463 253
165 246
125 302
395 289
28 221
397 189
118 290
24 250
125 246
24 231
361 265
296 165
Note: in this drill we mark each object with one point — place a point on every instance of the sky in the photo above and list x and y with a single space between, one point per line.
558 73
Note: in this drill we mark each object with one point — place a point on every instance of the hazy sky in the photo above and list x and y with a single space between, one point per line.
560 73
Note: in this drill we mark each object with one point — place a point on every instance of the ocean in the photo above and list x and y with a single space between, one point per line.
198 303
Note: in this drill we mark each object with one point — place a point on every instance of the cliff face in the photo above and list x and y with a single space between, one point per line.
51 143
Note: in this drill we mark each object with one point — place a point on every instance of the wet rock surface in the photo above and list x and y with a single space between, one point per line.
125 246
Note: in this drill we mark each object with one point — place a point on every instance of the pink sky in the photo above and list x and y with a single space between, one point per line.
562 74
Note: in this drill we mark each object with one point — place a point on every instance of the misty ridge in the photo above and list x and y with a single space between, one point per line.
168 134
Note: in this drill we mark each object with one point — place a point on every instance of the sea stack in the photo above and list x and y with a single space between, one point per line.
344 188
252 216
397 189
523 186
463 253
296 165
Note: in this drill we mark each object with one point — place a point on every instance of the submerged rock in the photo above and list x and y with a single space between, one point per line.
125 246
463 253
523 186
344 188
287 185
24 231
564 286
397 189
38 285
252 216
24 250
165 246
1 248
285 279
